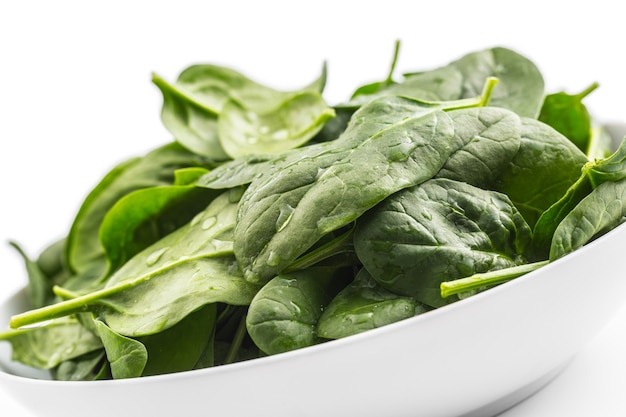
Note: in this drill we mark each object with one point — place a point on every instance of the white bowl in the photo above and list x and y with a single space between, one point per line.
475 357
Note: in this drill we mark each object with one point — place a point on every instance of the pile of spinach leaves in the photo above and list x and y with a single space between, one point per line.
275 221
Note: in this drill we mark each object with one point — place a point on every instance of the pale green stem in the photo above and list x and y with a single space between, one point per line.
487 279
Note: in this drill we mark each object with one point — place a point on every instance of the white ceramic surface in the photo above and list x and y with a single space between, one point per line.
472 358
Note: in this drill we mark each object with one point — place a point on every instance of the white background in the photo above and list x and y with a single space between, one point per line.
76 98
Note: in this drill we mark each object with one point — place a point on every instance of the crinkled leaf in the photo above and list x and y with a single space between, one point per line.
486 139
391 144
438 231
545 166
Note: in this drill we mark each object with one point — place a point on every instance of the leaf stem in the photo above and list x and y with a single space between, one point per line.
587 91
394 61
237 340
486 279
341 244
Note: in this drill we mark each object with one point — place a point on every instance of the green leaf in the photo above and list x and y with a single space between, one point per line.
364 305
545 166
189 268
284 313
569 116
127 357
144 216
486 139
600 211
391 144
48 345
180 347
291 124
84 250
520 87
217 112
594 173
88 367
438 231
39 285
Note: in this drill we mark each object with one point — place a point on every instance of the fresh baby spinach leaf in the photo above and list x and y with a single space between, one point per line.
221 114
520 87
91 366
39 285
144 216
594 173
438 231
545 166
391 144
185 270
49 344
180 347
284 313
486 139
364 305
568 115
127 357
290 124
84 250
600 211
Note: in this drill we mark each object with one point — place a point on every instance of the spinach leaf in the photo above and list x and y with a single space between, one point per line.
521 86
180 347
213 111
290 124
144 216
53 263
486 139
594 173
127 357
545 166
84 250
392 143
46 346
364 305
438 231
88 367
569 116
189 268
245 169
284 313
600 211
39 285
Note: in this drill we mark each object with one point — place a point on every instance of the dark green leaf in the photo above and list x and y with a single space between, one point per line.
284 313
438 231
364 305
546 165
